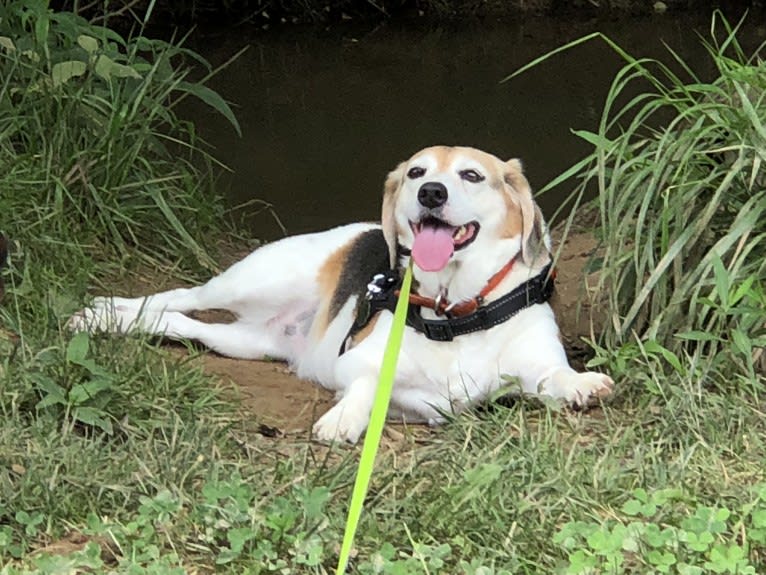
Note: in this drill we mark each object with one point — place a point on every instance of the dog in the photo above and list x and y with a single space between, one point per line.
323 301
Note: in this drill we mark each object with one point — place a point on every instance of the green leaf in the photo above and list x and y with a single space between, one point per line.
42 26
596 140
743 289
83 392
106 68
632 507
696 335
77 349
238 536
87 43
686 569
54 393
641 494
721 280
94 417
661 559
314 502
759 518
7 43
65 71
741 341
212 99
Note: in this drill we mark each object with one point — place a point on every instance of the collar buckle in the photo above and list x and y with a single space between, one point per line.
438 331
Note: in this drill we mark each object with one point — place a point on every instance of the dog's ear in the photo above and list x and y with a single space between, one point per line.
388 218
534 247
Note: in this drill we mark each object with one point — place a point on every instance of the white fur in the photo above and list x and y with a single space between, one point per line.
274 295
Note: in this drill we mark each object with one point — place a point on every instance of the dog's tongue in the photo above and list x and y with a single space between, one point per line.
432 248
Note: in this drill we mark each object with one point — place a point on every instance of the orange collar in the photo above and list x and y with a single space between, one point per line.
442 305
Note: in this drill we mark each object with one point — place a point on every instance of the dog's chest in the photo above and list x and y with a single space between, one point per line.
472 361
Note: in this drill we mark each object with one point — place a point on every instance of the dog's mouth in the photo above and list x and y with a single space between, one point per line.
436 241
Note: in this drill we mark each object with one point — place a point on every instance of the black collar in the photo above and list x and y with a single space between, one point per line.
381 295
533 291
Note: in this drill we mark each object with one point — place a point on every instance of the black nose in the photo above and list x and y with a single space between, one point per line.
432 195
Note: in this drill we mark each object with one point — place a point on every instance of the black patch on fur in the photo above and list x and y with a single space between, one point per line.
367 256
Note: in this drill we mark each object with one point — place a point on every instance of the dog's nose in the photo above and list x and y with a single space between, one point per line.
432 195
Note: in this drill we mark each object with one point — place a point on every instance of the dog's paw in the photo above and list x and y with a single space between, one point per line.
341 423
590 387
578 389
104 316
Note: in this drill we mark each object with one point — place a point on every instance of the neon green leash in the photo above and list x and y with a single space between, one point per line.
377 420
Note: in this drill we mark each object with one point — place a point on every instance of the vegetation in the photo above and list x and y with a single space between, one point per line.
121 456
681 185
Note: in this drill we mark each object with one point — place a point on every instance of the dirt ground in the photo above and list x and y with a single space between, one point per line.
285 405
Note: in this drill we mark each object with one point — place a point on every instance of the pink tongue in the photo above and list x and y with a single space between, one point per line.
433 248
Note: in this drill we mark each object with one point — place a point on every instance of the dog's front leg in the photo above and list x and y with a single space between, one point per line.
348 418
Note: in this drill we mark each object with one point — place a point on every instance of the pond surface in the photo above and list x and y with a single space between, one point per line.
326 113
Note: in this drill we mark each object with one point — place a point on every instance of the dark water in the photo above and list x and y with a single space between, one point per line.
325 114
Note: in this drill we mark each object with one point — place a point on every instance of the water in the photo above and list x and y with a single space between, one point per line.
325 114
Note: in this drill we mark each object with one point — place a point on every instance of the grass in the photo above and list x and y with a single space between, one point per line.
677 163
121 456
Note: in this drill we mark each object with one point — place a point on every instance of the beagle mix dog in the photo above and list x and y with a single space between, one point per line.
322 301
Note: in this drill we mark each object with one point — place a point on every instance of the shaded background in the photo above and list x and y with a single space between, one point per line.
327 112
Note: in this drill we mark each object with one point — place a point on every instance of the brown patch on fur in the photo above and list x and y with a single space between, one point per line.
443 155
387 218
532 246
327 280
513 225
364 332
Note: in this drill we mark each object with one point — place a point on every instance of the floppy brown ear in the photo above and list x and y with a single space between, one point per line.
388 221
533 247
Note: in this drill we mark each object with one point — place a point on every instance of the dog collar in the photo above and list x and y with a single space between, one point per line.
441 306
538 289
382 294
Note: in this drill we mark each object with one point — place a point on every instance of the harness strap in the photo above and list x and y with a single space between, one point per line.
538 289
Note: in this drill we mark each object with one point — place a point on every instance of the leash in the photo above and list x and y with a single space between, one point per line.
377 420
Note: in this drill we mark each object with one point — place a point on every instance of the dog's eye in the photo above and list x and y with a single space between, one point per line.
416 172
471 176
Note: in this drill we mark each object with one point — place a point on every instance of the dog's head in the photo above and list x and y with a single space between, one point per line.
447 204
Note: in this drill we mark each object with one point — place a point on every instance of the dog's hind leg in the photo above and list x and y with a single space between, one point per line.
237 339
182 300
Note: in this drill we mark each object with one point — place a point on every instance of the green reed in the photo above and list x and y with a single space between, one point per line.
677 162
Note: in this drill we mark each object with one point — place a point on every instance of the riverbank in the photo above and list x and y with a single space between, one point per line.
130 456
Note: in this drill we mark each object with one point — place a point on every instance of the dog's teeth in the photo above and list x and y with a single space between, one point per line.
460 233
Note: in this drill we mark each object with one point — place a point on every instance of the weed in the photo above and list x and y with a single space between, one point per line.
679 174
92 147
661 532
